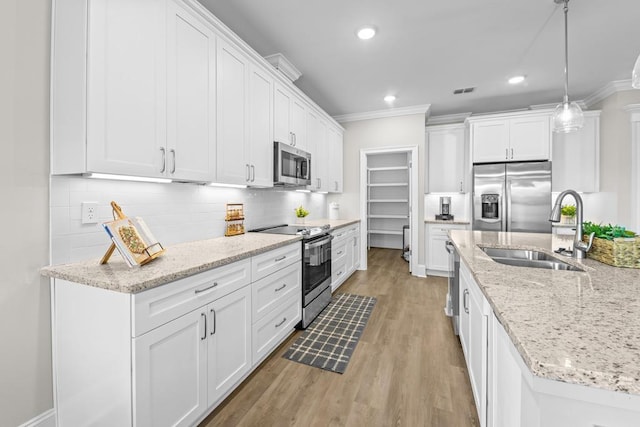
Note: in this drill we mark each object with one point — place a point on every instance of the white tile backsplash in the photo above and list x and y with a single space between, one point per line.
175 213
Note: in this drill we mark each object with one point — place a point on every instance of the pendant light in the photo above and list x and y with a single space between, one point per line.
635 75
567 116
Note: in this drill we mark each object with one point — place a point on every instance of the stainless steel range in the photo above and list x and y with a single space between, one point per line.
316 266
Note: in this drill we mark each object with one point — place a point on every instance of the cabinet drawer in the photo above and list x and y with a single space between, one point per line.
160 305
338 270
340 234
272 328
269 262
268 292
338 251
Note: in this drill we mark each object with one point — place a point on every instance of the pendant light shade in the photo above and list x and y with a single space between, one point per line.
568 116
635 76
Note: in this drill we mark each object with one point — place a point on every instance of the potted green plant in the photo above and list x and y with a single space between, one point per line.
613 244
568 213
301 213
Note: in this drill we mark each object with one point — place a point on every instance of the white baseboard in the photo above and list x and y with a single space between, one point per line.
45 419
421 271
438 273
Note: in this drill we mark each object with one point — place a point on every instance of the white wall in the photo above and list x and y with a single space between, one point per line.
615 155
175 213
402 131
25 337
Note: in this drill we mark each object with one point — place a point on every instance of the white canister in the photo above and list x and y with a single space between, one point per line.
334 211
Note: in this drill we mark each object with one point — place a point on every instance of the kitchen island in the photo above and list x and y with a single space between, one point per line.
573 334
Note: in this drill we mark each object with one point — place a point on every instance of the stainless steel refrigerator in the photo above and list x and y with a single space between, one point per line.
512 197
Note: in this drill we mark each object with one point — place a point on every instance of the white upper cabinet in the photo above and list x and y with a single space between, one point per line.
319 148
289 118
133 90
446 159
510 138
125 87
260 153
232 83
576 157
335 159
191 100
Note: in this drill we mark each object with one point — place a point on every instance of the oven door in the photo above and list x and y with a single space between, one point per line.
316 271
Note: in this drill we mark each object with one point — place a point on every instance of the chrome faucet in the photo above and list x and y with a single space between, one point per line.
580 248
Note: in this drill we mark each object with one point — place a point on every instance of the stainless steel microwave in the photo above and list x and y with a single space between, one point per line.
292 166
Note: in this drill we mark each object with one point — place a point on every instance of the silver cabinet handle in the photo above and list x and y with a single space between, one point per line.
207 288
280 258
336 185
461 186
248 173
512 153
253 173
506 153
164 159
318 179
281 323
339 252
204 337
291 139
465 300
213 330
295 139
339 273
173 152
284 285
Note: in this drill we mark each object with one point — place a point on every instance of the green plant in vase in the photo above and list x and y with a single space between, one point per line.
568 214
301 213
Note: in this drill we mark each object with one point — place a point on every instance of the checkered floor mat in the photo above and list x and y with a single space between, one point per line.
332 337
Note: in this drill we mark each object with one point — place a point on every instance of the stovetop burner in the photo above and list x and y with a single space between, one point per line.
305 231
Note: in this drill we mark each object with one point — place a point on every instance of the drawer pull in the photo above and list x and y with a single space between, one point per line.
207 288
281 323
339 273
280 258
339 252
339 235
213 330
284 285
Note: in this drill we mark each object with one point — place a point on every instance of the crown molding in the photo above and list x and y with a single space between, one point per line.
608 90
381 114
448 119
282 64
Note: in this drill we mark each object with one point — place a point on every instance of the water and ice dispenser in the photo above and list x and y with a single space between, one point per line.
490 203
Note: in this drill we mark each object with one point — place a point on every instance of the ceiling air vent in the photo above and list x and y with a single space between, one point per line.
464 90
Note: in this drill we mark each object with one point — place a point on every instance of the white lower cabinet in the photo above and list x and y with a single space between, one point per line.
505 391
437 255
169 355
345 254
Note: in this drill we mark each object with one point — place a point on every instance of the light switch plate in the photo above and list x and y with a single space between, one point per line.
89 212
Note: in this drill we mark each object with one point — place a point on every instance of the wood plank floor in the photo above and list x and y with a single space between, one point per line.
407 370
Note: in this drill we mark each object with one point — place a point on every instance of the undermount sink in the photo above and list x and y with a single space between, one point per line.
528 258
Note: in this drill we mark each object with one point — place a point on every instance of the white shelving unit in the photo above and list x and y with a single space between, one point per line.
387 199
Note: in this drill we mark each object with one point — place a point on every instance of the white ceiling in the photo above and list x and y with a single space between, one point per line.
425 49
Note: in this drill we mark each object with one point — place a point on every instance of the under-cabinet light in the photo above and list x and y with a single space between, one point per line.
219 184
127 178
303 191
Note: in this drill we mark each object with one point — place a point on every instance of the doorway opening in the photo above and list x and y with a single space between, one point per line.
389 201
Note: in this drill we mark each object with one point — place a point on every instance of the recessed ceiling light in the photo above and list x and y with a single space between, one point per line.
389 98
516 79
365 33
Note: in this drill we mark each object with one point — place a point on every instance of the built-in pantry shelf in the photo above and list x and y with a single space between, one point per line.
388 199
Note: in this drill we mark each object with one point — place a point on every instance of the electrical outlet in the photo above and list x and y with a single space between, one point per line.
89 212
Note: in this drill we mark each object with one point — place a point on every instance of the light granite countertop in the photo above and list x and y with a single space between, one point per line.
575 327
177 262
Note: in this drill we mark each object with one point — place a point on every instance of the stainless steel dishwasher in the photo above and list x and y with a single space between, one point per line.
452 306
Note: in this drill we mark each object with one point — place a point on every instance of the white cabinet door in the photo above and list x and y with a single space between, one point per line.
260 105
335 159
445 159
315 139
191 80
299 123
529 138
282 104
126 87
232 77
576 157
320 162
229 342
170 372
438 255
477 350
490 141
463 293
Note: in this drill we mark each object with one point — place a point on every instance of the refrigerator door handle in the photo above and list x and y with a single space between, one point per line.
506 218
